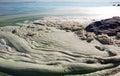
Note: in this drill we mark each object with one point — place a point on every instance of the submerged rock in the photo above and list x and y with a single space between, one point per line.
107 26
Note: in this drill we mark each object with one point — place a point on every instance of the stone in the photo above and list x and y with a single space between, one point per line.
106 26
118 35
15 31
77 28
31 34
105 39
81 34
117 42
90 36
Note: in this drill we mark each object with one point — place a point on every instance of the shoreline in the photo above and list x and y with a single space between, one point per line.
91 12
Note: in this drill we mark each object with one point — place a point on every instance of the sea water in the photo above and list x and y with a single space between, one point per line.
15 12
10 8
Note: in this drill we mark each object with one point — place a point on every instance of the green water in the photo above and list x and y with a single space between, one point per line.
14 21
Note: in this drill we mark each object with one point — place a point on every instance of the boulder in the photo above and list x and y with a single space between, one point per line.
107 26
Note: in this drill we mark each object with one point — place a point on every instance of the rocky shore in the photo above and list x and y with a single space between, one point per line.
59 46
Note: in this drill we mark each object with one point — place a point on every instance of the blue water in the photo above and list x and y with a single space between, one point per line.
8 8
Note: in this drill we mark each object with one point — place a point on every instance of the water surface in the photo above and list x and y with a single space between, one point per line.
19 11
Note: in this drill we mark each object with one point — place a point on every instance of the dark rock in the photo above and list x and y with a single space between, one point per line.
30 34
107 26
38 23
15 31
118 4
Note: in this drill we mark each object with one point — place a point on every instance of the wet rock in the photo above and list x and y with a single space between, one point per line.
117 42
118 35
30 26
38 23
31 34
83 38
15 31
107 26
81 34
77 28
90 36
105 39
100 48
